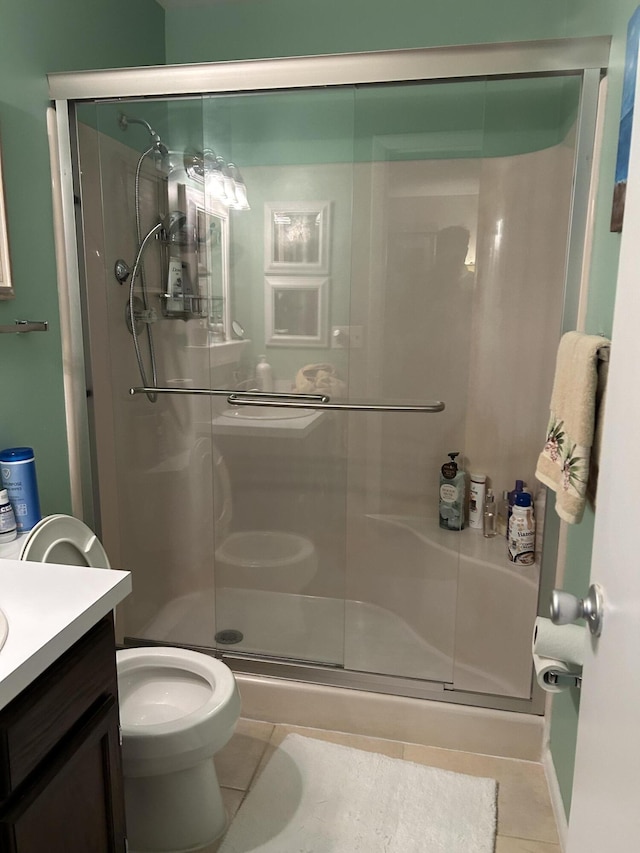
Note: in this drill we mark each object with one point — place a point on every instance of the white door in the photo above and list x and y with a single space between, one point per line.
605 812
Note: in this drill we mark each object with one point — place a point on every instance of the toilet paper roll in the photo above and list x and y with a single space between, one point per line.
543 666
561 642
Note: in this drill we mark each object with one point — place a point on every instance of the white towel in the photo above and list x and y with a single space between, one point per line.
565 460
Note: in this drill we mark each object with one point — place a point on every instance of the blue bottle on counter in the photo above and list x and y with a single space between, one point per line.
18 476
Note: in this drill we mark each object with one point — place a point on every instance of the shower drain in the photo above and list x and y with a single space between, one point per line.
229 636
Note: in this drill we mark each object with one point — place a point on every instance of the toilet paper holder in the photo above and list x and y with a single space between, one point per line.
566 608
563 679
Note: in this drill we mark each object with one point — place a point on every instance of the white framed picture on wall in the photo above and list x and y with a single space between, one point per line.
296 237
296 311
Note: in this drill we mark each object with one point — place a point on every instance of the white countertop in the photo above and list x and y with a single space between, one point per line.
49 607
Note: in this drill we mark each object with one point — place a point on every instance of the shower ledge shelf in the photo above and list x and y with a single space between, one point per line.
219 353
469 544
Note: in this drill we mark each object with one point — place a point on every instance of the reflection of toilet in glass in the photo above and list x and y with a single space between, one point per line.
273 560
177 709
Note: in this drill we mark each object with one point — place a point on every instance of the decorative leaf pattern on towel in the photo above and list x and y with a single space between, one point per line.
571 470
555 439
571 460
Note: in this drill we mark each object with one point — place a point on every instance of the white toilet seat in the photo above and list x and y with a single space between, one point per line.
65 540
177 707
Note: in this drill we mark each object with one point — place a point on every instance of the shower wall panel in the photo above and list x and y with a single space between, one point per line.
484 341
153 475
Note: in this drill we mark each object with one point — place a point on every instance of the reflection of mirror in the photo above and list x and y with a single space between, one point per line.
206 253
296 311
212 245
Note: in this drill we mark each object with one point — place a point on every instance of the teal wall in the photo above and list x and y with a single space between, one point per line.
36 37
257 28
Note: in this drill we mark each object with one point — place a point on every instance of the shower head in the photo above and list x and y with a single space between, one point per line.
173 222
158 145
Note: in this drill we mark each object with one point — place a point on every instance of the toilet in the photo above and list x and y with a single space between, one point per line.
272 560
177 709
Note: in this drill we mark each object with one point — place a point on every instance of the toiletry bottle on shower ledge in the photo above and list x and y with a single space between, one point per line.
489 517
452 495
477 487
522 531
512 495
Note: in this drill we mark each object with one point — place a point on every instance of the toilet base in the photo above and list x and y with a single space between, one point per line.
174 812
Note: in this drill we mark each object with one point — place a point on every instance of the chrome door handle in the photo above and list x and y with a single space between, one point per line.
566 608
235 400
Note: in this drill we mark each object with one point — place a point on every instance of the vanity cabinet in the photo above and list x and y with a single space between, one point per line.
61 785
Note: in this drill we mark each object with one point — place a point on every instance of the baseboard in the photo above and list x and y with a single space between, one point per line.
556 797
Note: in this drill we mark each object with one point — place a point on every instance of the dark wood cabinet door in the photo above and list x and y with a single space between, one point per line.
77 804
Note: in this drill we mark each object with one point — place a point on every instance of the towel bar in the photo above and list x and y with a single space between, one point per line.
21 326
291 401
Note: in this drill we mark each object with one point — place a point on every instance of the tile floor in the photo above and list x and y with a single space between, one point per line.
525 817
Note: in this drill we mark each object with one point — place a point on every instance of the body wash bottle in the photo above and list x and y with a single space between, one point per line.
452 495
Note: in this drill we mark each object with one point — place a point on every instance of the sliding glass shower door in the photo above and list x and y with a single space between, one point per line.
321 267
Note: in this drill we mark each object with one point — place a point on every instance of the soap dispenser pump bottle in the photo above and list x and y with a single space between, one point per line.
452 495
264 374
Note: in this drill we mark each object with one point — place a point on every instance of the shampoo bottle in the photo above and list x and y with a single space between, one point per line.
452 495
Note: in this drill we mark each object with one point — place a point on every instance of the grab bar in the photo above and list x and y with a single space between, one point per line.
225 392
234 400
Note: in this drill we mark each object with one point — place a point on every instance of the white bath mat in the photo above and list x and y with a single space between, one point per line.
318 797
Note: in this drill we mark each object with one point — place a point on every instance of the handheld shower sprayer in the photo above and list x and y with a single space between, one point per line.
158 145
166 229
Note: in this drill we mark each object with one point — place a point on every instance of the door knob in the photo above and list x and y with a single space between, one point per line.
566 608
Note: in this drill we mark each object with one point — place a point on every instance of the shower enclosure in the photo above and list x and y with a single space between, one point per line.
401 235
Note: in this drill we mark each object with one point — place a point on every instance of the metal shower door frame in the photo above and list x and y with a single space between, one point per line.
587 57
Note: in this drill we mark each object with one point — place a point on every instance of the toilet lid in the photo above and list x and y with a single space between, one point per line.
64 540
